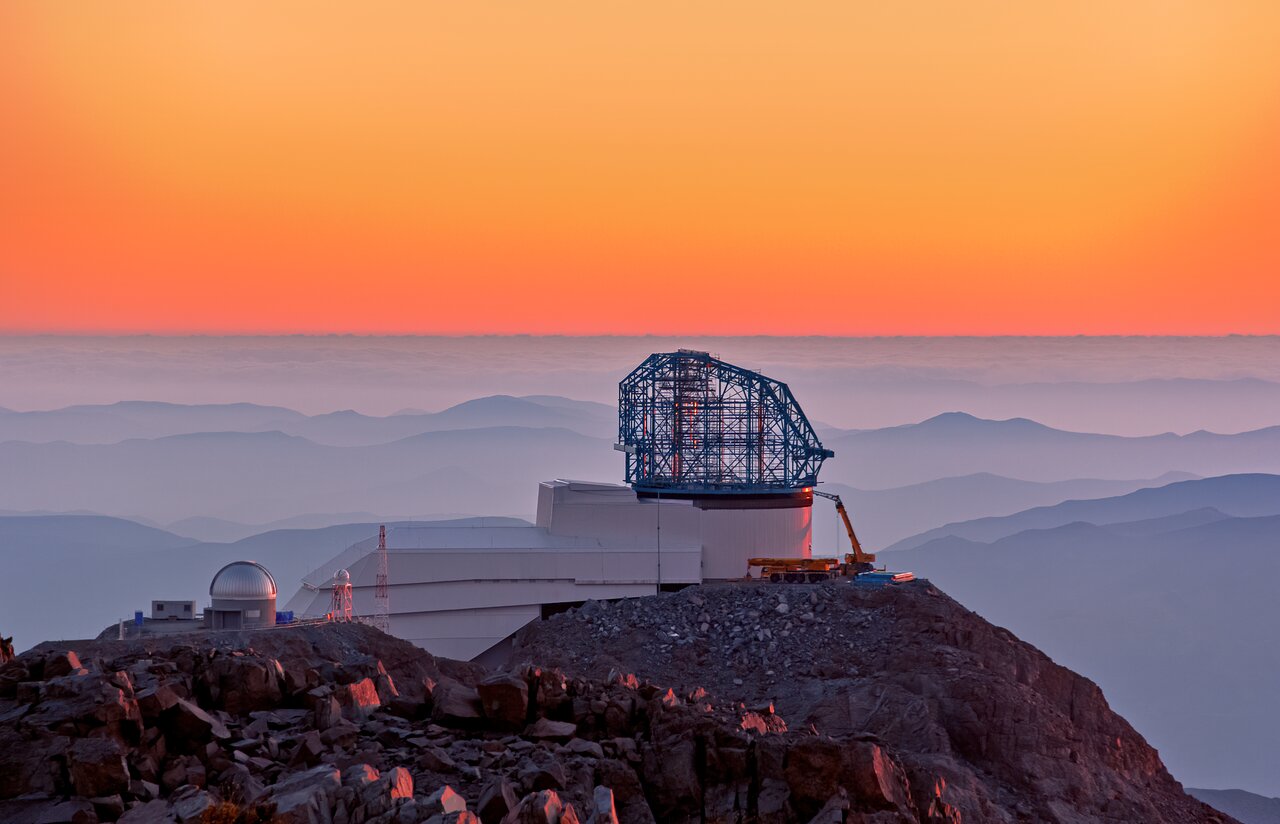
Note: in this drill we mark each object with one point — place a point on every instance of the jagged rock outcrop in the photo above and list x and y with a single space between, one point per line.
961 716
904 708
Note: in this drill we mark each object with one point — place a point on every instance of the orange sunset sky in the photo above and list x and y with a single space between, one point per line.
831 167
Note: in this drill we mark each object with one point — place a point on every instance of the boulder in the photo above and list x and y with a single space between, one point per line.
833 812
629 798
48 811
773 802
433 759
342 734
443 801
583 747
542 807
327 712
152 812
400 785
241 684
504 699
874 778
386 686
188 728
456 705
144 790
358 699
551 690
379 793
496 800
108 807
360 776
239 785
61 663
306 797
547 775
30 764
153 701
407 708
602 809
98 767
547 729
92 700
671 772
309 750
813 772
182 770
190 804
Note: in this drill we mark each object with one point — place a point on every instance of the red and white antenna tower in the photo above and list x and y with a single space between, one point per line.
340 605
381 598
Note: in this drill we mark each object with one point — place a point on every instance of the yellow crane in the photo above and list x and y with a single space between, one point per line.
814 570
857 561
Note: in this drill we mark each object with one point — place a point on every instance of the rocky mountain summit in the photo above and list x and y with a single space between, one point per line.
977 725
729 703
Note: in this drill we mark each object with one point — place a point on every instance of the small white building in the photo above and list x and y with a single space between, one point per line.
173 610
462 592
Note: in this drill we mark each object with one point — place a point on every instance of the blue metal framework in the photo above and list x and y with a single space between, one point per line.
691 423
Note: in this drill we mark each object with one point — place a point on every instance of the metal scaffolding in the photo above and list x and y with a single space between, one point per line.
381 594
690 422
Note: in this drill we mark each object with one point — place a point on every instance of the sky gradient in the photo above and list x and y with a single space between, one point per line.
580 168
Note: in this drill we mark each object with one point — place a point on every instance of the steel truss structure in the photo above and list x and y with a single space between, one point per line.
692 423
381 595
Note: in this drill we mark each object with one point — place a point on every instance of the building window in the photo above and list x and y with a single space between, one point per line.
186 608
252 613
160 607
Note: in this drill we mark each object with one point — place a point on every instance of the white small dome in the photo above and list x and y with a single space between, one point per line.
343 577
243 581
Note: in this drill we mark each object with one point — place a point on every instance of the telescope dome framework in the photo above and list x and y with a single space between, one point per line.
692 423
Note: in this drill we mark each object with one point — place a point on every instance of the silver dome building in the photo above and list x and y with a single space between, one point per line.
243 596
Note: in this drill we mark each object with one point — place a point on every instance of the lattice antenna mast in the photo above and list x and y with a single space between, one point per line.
381 597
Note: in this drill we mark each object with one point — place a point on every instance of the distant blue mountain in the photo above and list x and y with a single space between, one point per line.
111 423
1245 807
256 477
957 444
71 535
221 530
884 516
1239 495
1133 407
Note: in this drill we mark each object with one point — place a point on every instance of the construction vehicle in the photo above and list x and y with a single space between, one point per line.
796 570
815 570
857 560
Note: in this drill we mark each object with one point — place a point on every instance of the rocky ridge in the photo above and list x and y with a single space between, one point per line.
983 726
904 707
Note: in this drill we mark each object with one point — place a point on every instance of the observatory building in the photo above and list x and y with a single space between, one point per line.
720 464
243 596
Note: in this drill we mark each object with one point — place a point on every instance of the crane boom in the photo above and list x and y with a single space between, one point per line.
858 556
